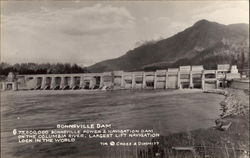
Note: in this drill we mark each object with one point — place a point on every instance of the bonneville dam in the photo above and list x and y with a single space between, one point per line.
171 78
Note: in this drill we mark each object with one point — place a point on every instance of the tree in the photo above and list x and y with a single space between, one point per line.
44 68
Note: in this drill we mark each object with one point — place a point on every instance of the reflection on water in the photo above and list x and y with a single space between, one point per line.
165 112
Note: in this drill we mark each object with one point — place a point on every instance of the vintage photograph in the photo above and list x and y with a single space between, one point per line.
124 79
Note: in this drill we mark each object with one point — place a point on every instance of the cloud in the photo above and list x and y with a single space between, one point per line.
66 34
95 19
238 12
164 18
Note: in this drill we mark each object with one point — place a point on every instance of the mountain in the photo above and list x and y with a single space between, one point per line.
207 43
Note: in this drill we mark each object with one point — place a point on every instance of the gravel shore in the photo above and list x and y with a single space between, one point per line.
214 142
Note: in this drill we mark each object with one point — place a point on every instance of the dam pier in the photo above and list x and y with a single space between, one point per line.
171 78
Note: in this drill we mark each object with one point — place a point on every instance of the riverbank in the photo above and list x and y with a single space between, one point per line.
228 138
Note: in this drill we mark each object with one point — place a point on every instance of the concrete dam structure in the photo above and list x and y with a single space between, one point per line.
172 78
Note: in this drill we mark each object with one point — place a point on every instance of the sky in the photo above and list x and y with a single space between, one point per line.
86 32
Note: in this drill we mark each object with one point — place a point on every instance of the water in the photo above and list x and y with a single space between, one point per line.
165 112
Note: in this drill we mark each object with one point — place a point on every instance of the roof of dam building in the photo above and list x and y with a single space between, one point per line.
161 71
185 68
223 67
173 69
191 68
197 68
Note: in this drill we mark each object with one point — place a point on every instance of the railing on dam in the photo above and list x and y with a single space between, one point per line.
172 78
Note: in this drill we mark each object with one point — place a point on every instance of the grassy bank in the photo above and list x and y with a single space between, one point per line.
214 142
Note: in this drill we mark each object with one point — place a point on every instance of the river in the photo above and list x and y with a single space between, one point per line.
163 111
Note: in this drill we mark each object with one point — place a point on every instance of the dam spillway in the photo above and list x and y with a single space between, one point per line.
171 78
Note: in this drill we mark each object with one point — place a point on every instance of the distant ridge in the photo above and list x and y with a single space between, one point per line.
207 43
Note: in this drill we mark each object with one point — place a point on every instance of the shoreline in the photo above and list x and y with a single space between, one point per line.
214 142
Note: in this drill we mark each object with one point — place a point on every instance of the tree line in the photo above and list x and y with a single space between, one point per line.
45 68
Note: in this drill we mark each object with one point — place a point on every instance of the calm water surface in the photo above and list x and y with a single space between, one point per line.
165 112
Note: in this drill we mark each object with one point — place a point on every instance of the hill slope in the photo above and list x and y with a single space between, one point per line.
205 42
